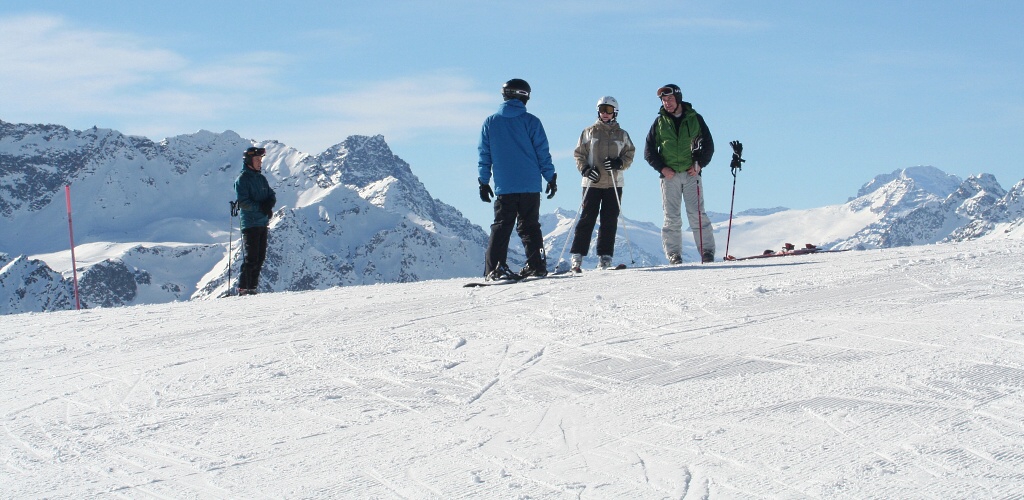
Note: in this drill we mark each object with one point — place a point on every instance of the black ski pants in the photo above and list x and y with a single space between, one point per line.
254 244
519 211
598 201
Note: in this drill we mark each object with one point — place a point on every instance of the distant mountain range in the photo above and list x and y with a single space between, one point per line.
152 224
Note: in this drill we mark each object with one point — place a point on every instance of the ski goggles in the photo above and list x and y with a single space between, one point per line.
664 91
607 109
517 92
254 151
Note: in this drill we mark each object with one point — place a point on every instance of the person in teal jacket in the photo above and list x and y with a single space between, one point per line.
514 149
256 201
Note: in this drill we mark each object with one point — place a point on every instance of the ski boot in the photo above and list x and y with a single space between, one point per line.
502 273
577 263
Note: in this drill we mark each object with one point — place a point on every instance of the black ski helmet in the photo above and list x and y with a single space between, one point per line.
516 88
251 152
671 89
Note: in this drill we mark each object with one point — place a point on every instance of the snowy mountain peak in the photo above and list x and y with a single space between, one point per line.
363 160
925 178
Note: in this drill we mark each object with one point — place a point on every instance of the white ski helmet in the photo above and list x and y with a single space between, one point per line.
608 101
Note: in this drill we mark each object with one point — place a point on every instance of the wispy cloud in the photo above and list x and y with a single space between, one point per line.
411 103
44 58
52 70
709 23
437 104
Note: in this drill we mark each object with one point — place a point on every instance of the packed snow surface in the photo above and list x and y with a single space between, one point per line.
895 373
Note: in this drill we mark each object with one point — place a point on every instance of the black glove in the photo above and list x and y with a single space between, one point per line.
613 163
737 156
592 173
267 208
552 187
485 192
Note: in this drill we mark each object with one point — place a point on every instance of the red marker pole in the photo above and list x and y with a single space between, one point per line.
71 233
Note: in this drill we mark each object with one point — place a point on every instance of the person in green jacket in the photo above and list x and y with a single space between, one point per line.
679 146
256 202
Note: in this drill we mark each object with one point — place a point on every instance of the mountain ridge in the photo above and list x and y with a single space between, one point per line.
150 218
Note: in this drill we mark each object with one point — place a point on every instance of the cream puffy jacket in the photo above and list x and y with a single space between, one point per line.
600 141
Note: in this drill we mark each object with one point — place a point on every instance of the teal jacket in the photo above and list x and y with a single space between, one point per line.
670 139
255 198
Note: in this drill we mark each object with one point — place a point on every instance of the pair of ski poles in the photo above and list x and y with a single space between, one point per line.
735 165
618 202
231 237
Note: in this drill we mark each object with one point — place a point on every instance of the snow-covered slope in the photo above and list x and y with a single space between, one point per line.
892 373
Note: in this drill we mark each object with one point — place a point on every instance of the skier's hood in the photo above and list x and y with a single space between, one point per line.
512 108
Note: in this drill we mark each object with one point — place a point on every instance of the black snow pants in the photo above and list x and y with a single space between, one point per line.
519 211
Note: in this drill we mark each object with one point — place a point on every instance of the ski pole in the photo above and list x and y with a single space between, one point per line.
697 145
71 235
573 225
231 237
736 166
700 224
625 234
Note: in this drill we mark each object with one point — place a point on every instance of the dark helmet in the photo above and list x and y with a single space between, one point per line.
671 89
251 152
516 89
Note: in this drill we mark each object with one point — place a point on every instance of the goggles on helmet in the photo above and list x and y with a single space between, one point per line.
254 151
606 108
664 91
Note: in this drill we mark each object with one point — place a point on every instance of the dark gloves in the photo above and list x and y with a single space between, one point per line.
552 187
267 208
485 192
737 156
592 173
613 163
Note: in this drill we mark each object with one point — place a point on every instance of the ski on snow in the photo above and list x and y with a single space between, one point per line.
787 250
563 274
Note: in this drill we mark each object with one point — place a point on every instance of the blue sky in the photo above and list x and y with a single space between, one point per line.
823 95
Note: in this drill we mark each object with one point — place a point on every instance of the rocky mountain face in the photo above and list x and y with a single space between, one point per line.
152 223
923 205
29 285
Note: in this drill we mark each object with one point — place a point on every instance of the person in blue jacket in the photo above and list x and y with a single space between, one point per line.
514 149
256 202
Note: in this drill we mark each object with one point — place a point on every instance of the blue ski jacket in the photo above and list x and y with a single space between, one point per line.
253 192
514 147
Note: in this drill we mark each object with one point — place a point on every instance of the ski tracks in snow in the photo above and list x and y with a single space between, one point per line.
895 373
